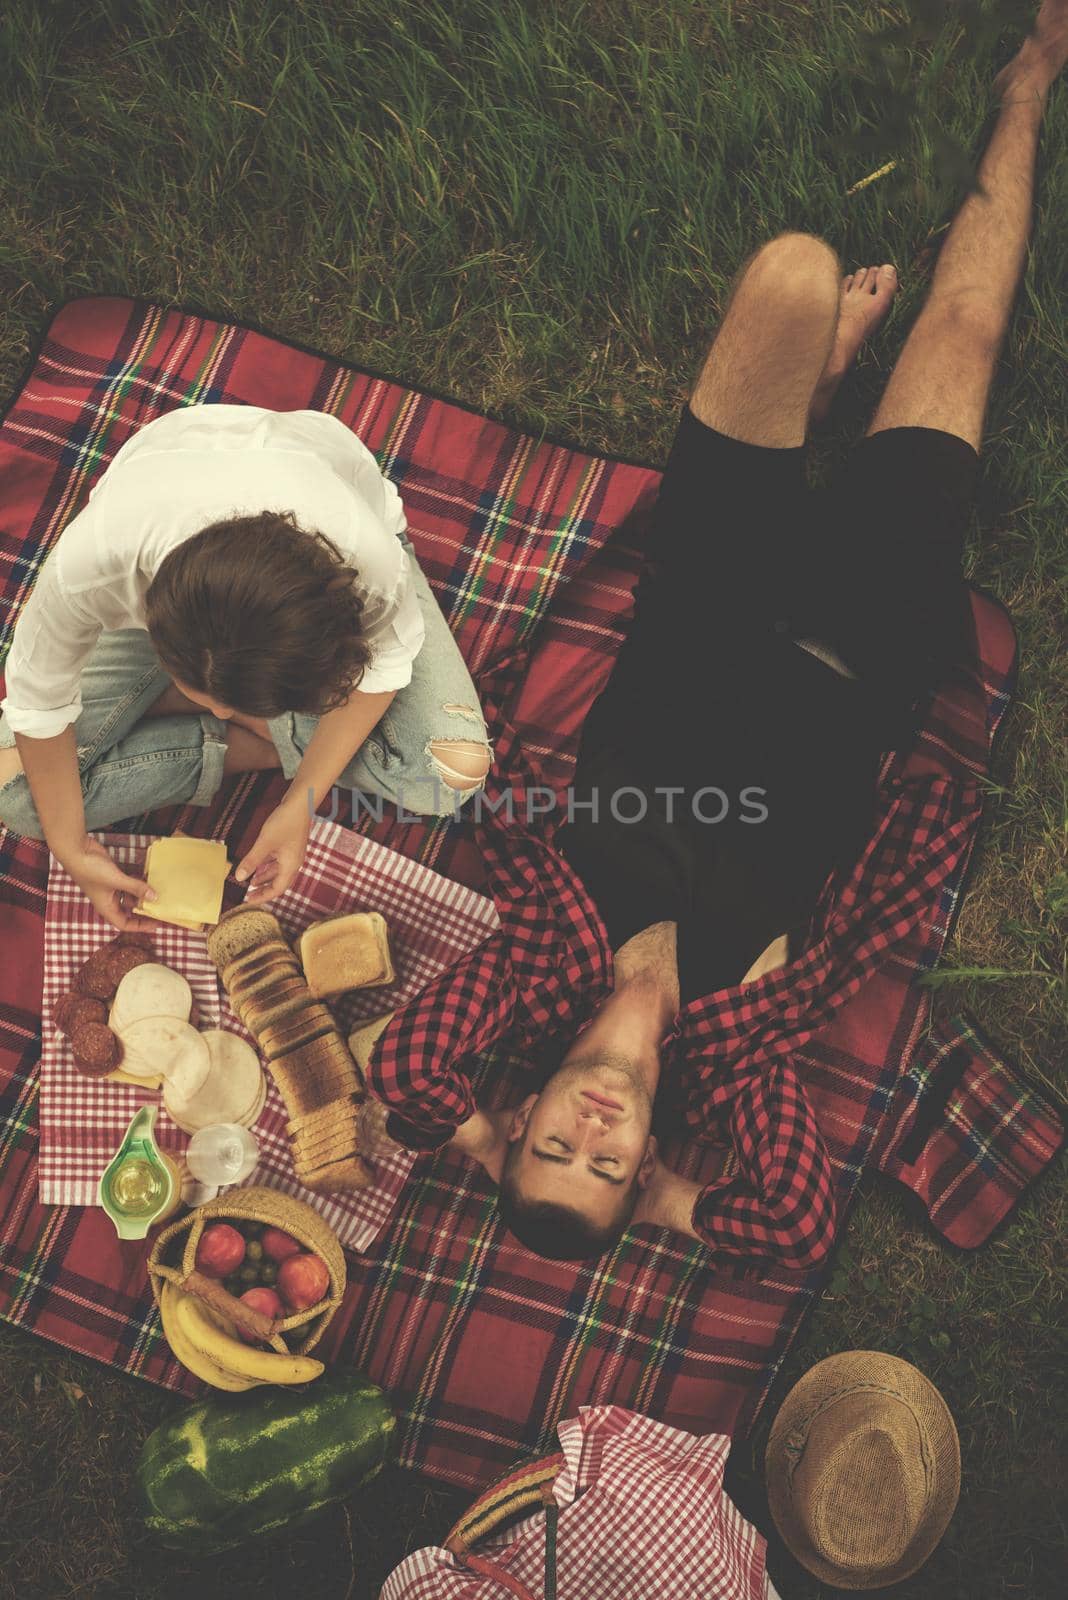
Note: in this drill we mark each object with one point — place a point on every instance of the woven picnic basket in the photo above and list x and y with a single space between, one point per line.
174 1255
528 1487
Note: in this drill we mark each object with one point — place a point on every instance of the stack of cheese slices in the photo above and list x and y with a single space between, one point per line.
306 1056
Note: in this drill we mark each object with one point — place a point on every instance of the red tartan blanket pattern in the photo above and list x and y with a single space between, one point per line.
484 1348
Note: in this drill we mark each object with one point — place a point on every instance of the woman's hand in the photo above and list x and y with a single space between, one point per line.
276 857
106 886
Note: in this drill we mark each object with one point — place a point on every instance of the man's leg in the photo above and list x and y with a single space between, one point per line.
943 376
734 485
896 607
771 349
792 329
725 538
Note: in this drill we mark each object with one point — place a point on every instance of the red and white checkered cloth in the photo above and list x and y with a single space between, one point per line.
433 922
642 1514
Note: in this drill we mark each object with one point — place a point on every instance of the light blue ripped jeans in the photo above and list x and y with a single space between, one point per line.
130 764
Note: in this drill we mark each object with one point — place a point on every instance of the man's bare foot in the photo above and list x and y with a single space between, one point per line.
1040 59
865 300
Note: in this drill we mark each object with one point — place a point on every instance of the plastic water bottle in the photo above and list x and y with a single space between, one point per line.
224 1153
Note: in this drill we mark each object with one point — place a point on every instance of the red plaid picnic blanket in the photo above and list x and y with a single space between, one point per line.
433 922
642 1512
531 549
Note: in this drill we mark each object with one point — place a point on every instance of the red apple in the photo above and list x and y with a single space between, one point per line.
279 1246
303 1281
221 1250
264 1300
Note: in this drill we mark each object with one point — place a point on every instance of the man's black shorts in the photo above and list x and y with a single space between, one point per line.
712 690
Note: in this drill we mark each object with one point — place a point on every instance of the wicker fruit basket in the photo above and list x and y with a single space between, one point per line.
173 1258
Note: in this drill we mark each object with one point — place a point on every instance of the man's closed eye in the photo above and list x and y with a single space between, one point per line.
598 1171
598 1161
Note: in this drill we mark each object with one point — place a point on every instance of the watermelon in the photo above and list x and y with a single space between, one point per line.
238 1467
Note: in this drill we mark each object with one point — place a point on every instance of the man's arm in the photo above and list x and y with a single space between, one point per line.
484 1138
668 1201
778 1205
544 968
775 1201
52 640
418 1066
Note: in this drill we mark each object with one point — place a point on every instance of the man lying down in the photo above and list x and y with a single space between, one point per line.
577 1160
737 829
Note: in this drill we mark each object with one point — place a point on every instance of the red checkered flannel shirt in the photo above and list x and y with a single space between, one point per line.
728 1062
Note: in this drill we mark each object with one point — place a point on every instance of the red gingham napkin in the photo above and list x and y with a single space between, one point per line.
643 1513
432 923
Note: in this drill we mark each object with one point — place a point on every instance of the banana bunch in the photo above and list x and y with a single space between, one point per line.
206 1343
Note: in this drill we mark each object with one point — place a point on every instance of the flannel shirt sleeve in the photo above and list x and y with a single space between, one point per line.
542 971
776 1200
737 1048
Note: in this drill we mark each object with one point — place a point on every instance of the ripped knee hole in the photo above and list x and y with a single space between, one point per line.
460 763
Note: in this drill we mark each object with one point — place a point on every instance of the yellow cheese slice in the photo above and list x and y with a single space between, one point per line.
188 876
118 1076
176 922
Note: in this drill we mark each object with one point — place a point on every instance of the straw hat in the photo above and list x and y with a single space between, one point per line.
863 1469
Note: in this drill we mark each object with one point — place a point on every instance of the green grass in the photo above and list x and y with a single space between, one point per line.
539 210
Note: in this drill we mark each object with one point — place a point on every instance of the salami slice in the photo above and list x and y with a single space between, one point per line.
71 1010
123 958
94 976
97 1051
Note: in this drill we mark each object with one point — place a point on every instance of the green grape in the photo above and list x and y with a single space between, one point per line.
249 1275
252 1230
254 1250
268 1274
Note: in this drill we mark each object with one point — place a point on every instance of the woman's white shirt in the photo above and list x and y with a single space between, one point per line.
188 469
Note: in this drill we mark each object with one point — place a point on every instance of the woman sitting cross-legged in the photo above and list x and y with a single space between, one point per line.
238 594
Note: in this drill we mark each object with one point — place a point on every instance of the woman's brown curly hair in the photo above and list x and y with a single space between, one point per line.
261 615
